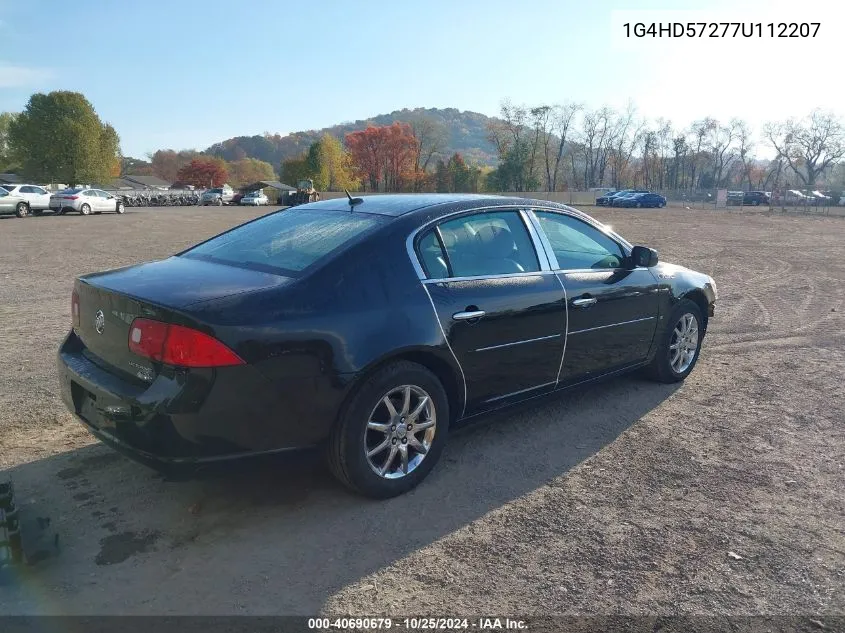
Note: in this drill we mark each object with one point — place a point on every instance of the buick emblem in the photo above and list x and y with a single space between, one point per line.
99 321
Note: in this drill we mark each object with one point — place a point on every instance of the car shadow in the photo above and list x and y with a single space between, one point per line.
132 540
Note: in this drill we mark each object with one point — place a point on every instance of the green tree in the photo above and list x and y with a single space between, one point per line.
249 170
59 138
295 169
330 165
6 162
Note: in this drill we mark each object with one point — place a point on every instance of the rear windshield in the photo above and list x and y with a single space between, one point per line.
286 242
72 190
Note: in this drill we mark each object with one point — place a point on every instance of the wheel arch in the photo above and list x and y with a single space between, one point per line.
698 297
448 374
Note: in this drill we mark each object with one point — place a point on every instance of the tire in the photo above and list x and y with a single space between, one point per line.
661 367
352 436
59 212
219 202
639 205
85 209
121 209
22 210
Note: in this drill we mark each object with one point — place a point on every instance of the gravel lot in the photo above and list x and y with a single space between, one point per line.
721 496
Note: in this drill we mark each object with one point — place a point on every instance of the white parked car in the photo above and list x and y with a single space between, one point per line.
86 201
37 198
256 198
13 204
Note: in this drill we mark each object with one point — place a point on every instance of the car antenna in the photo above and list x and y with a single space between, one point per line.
352 201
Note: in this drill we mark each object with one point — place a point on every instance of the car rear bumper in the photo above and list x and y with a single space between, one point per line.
204 416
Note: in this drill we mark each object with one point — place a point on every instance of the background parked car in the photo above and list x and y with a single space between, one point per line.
755 198
13 204
638 200
38 198
607 199
218 195
256 198
86 201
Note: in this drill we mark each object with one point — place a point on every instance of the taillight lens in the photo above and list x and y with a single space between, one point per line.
74 308
178 345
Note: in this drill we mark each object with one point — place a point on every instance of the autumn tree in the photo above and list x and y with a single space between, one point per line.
204 172
249 170
384 156
330 165
808 146
59 137
166 163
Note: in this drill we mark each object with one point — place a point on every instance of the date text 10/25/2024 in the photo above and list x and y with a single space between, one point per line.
722 29
418 624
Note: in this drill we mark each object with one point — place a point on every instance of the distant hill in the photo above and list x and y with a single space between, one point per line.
466 131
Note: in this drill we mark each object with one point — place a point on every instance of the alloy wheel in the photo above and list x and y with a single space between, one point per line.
684 343
400 431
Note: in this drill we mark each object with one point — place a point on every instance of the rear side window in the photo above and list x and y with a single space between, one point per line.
286 242
493 243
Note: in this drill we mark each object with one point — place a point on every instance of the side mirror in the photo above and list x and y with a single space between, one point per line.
643 256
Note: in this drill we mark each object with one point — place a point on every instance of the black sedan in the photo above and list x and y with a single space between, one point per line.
369 327
641 200
607 199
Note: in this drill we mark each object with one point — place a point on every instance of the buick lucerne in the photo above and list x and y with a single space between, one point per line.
369 327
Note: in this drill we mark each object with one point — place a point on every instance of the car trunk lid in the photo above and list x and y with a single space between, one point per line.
110 301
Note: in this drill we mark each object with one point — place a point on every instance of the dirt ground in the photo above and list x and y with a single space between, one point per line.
720 496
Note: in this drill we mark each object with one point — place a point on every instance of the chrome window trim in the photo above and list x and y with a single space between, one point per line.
602 327
521 208
449 345
522 342
483 277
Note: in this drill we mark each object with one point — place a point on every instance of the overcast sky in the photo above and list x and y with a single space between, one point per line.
187 73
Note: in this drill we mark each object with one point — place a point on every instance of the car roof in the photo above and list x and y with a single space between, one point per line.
395 205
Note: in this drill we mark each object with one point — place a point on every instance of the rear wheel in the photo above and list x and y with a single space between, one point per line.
85 209
391 434
22 210
681 343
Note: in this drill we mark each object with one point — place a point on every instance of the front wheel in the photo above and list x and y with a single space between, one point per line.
679 348
391 434
85 209
22 210
219 202
120 208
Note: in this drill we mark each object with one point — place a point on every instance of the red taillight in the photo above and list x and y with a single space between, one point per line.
71 197
74 308
178 345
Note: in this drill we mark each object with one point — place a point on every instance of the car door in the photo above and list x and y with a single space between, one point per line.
501 309
612 309
40 198
7 201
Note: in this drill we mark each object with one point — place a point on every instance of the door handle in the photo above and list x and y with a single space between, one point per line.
469 314
584 302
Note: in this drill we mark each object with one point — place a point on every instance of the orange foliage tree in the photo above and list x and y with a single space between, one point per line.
384 156
204 172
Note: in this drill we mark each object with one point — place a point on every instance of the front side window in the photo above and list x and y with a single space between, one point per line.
493 243
577 245
285 242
